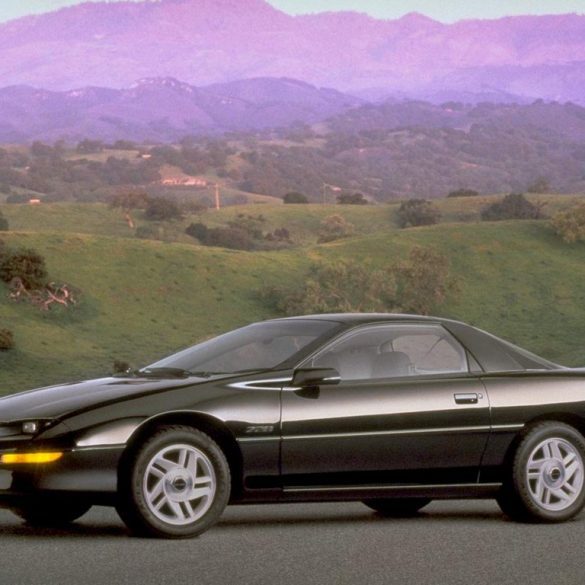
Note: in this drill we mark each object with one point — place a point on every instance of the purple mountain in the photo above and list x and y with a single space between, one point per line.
216 41
163 109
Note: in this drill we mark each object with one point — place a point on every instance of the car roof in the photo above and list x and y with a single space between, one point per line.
357 318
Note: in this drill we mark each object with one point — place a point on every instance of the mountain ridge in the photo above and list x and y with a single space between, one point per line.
205 42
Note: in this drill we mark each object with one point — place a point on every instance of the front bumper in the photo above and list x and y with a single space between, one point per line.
90 473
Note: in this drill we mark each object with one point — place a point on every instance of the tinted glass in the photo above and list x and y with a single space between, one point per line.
391 351
255 347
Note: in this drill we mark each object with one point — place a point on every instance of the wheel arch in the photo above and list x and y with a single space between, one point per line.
211 426
573 420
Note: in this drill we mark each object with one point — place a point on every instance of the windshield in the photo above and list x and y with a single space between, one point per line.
255 347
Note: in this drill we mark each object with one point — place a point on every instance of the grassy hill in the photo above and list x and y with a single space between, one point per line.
142 299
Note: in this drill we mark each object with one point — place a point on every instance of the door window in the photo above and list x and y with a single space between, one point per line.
392 351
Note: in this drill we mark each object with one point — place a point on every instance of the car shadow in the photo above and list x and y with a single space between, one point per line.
255 518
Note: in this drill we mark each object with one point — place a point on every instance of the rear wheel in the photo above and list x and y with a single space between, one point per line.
177 484
547 482
397 506
54 512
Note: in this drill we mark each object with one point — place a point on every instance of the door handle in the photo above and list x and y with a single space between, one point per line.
471 398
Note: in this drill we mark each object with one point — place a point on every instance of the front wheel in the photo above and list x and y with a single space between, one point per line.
547 482
177 484
397 507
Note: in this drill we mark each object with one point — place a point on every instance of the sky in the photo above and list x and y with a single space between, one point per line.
442 10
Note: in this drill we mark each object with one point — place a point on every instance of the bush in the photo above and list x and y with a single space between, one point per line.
3 223
295 197
197 231
344 286
570 224
18 198
513 206
423 281
148 232
463 193
233 238
416 212
26 264
351 199
419 284
334 227
162 209
6 339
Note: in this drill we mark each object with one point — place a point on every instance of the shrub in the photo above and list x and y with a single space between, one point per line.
295 197
570 224
6 339
148 232
26 264
162 209
233 238
513 206
18 198
120 366
344 286
423 281
416 212
334 227
463 193
419 284
351 199
197 231
3 223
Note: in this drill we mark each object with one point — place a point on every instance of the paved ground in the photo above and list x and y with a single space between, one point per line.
449 543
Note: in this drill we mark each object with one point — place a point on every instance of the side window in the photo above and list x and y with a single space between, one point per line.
391 351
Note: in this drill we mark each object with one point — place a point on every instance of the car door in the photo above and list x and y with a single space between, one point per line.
407 411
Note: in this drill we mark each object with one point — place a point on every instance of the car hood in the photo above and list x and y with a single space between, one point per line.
57 401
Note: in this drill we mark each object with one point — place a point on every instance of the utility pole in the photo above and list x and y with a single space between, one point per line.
217 203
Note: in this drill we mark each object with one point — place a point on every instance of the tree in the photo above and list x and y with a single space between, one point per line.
570 224
513 206
418 284
417 212
423 281
90 146
197 231
351 199
25 264
6 339
541 185
294 198
334 227
162 209
3 223
343 286
128 201
463 193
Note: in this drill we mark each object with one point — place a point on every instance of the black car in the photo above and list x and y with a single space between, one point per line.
392 410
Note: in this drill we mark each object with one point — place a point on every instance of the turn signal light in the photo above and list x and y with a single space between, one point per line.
12 458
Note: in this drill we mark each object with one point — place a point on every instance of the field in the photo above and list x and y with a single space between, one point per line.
142 299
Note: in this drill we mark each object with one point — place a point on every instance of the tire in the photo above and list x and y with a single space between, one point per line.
176 485
53 512
397 507
547 477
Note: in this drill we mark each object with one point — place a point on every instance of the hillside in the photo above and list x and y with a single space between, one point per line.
214 41
142 299
162 109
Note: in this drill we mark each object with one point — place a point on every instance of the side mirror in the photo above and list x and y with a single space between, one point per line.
308 377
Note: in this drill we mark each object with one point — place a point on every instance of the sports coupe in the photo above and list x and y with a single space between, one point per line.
391 410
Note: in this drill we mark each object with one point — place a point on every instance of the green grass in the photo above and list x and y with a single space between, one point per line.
143 299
